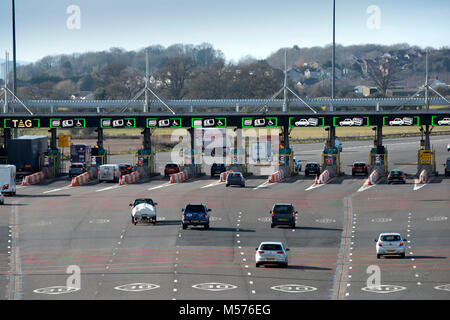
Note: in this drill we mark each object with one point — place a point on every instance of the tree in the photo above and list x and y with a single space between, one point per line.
173 77
100 94
383 73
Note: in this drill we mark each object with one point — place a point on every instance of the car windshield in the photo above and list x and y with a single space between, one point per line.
282 209
138 201
195 208
274 247
390 237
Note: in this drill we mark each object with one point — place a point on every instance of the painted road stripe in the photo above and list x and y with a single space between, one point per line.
58 189
108 188
162 186
262 185
217 183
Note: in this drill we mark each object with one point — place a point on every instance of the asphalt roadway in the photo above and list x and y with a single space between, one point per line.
49 232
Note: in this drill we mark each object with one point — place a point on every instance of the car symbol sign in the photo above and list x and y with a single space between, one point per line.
56 290
384 288
214 286
293 288
137 287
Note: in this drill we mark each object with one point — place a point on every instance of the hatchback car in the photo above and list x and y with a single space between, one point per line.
171 168
271 253
217 168
195 214
236 179
390 244
359 168
396 176
76 169
312 168
283 214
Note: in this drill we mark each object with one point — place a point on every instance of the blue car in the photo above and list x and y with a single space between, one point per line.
195 215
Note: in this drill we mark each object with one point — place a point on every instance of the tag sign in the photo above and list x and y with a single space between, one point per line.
21 123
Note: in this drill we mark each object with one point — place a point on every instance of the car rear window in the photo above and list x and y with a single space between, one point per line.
282 209
76 166
390 238
138 201
396 172
271 247
195 208
359 164
312 165
171 165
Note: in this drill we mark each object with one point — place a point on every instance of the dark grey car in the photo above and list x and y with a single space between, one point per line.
283 214
235 179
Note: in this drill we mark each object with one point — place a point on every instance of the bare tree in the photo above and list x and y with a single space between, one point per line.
383 73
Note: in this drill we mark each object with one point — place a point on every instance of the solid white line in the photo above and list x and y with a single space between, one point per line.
262 185
161 186
55 190
109 188
217 183
418 186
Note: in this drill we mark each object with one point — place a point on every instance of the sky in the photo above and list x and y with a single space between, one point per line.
236 27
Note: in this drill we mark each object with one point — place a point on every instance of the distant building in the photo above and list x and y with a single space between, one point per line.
401 92
82 95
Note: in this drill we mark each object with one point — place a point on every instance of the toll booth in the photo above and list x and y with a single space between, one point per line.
146 159
378 158
51 162
426 158
286 157
99 156
331 158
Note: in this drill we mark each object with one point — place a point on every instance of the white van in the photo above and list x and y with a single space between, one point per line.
8 177
109 172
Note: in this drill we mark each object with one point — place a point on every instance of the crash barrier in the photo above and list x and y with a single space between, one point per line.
373 178
224 175
130 178
35 178
178 177
81 179
423 177
279 175
324 177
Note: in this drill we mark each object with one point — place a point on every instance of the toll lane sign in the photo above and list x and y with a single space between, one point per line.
163 123
209 122
306 122
391 121
21 123
440 121
248 122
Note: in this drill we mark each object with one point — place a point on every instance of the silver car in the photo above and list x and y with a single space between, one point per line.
271 253
390 244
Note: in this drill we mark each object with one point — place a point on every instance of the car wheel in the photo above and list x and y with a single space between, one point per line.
227 185
272 225
206 226
402 256
293 226
378 256
184 226
257 265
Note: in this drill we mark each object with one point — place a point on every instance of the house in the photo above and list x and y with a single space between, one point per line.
82 95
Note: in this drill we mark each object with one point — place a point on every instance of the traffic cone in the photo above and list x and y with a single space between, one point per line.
74 182
24 181
121 180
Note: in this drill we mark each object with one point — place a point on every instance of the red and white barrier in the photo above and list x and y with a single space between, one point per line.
81 179
373 178
276 176
323 178
224 175
130 178
35 178
423 177
178 177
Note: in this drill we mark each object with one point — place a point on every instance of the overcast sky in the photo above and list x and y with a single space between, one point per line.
236 27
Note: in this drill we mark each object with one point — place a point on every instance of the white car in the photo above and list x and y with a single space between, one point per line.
2 198
390 244
302 122
346 122
444 122
396 122
271 253
448 147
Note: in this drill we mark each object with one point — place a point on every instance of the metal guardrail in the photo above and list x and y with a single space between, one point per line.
237 105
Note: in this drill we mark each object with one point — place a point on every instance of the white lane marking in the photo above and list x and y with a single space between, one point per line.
314 186
262 185
109 188
56 190
217 183
417 185
365 186
161 186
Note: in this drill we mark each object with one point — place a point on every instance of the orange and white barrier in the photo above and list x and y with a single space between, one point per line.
373 178
81 179
276 176
178 177
323 178
130 178
35 178
423 177
224 175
